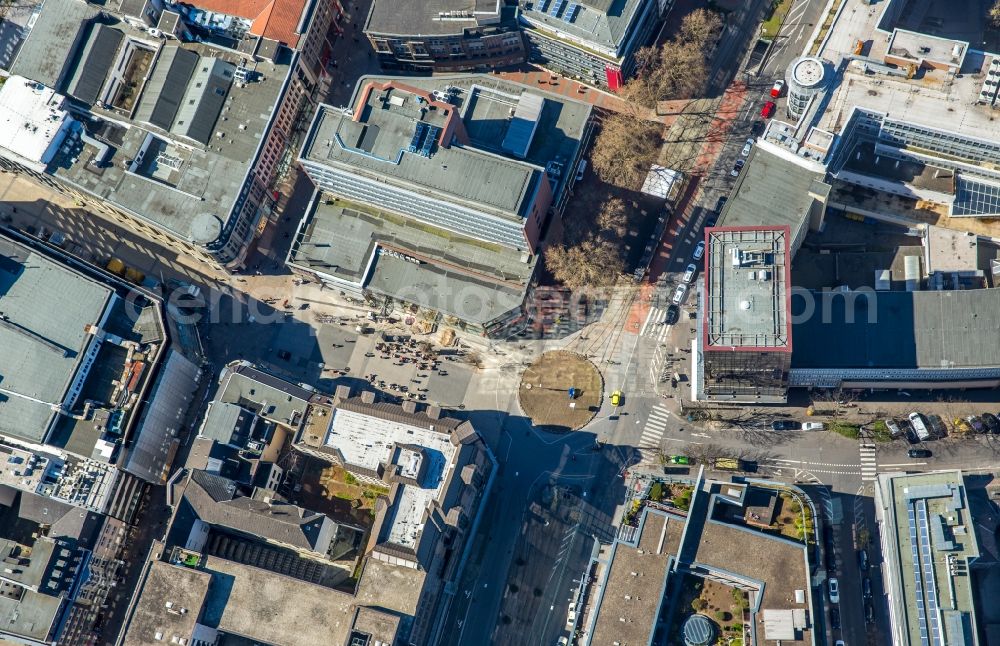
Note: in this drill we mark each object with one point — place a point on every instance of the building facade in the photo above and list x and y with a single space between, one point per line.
594 42
444 37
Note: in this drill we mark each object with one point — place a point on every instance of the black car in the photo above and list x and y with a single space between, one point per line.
991 422
785 425
673 313
911 437
918 453
711 220
866 586
757 128
863 560
834 618
869 612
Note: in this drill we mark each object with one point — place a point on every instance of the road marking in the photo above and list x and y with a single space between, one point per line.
652 433
655 314
909 464
869 463
818 464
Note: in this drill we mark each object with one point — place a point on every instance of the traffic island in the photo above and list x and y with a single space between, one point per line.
561 391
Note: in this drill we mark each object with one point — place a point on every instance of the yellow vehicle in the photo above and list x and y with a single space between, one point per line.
616 398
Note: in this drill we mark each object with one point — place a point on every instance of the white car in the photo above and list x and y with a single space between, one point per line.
564 641
699 250
834 591
581 169
813 426
679 294
571 615
689 274
747 147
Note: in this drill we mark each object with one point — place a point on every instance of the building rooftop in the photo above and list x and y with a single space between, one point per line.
33 616
920 329
191 128
274 19
170 602
600 25
268 396
747 289
375 140
932 541
431 17
56 474
371 436
33 120
775 189
632 592
950 250
45 308
359 244
274 609
934 99
216 502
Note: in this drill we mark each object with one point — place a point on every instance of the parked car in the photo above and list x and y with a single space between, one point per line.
689 273
777 88
834 618
711 220
737 167
699 250
785 425
673 314
768 110
581 169
866 587
679 294
562 641
869 613
962 426
571 615
757 128
813 426
937 425
976 424
863 559
918 453
920 426
680 459
747 147
893 427
992 422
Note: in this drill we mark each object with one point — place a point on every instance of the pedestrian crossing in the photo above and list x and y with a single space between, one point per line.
653 327
652 433
869 464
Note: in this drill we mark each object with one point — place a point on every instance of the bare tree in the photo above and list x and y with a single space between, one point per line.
994 15
593 262
624 150
612 218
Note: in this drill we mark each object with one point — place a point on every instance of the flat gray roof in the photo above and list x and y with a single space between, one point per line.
747 290
30 617
269 396
921 329
191 173
45 55
774 190
376 145
275 609
423 17
604 23
45 308
184 588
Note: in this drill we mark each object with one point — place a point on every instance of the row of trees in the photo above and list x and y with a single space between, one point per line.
592 254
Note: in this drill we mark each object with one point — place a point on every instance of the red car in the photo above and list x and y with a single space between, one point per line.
777 88
768 110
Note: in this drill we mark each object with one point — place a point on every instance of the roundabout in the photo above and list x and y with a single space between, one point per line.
560 391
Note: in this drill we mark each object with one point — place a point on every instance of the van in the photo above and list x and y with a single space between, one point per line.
920 426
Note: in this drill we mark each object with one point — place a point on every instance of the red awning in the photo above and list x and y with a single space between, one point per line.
615 80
